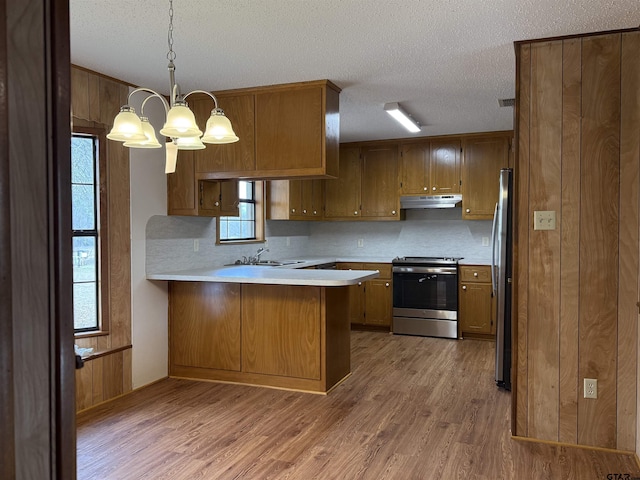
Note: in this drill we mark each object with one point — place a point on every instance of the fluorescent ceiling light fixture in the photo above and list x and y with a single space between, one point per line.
180 124
396 111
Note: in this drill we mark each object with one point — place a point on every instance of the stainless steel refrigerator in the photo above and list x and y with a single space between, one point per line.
501 272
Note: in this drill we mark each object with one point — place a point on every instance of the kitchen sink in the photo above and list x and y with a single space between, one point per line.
267 263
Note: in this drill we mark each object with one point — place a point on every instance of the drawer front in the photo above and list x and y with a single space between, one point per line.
475 273
383 268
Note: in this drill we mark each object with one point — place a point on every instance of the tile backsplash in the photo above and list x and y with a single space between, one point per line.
177 243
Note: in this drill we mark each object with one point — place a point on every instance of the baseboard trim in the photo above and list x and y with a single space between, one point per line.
573 445
104 402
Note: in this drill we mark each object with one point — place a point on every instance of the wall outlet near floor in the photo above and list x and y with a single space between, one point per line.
590 388
485 241
360 242
196 244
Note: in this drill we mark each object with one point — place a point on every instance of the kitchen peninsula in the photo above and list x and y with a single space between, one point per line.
269 326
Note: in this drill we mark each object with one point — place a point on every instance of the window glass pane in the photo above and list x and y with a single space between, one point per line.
245 190
85 306
247 230
247 211
84 259
83 207
82 159
234 229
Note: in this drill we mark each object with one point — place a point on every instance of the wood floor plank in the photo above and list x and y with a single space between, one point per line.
413 408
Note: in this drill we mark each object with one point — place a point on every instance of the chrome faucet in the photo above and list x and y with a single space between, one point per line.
256 257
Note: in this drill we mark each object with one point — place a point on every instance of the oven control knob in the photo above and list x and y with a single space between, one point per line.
464 287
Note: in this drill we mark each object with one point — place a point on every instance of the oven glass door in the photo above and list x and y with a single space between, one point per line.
433 291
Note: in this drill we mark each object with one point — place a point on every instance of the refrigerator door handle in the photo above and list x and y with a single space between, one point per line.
493 251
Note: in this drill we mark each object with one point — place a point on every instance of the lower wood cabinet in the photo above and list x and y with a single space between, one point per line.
275 335
476 305
370 303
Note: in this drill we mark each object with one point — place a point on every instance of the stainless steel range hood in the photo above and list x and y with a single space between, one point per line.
431 201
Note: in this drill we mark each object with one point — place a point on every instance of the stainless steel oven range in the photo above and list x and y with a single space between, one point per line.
425 296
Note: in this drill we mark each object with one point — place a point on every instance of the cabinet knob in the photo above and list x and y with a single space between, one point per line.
315 212
464 287
386 284
293 210
468 210
355 213
475 274
393 212
217 204
304 212
433 188
426 188
359 283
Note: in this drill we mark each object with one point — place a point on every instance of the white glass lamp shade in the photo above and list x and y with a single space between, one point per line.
150 140
126 126
189 143
171 157
219 129
180 123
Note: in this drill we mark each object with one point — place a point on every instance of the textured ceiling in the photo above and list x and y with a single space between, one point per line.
446 61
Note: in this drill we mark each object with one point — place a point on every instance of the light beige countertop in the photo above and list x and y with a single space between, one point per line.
294 274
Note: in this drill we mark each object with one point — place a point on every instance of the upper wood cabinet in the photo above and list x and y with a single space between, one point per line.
285 131
295 200
379 187
187 195
367 184
342 195
232 158
430 167
483 157
444 168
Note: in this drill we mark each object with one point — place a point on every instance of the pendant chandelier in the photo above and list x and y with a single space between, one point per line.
180 125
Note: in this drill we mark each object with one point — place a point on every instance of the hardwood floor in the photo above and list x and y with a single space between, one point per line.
414 408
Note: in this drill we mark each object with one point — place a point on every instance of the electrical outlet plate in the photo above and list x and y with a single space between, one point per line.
544 220
590 388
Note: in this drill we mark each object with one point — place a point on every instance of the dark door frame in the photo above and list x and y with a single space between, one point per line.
37 378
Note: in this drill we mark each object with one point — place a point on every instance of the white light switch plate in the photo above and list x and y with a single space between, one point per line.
544 220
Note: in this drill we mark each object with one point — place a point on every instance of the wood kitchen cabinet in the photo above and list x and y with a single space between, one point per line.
187 195
227 160
366 186
342 194
204 325
483 157
379 182
370 303
476 304
295 200
430 167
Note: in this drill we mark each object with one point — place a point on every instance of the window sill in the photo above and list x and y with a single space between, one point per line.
94 333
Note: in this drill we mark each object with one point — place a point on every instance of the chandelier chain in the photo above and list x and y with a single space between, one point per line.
171 55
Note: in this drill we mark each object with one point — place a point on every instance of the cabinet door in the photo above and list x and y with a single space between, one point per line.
204 321
342 195
290 129
317 198
380 182
278 325
378 301
229 198
356 294
475 308
445 167
181 187
230 157
482 161
414 169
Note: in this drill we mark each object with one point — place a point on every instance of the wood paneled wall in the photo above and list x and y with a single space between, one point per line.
578 154
95 101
